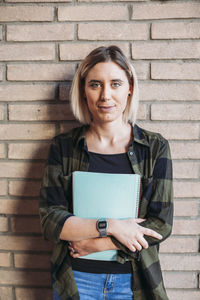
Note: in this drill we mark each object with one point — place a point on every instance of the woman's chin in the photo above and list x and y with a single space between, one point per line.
107 118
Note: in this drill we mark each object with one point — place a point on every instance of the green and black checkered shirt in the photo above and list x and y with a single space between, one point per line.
149 155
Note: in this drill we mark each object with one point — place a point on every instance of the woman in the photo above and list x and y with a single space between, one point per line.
104 98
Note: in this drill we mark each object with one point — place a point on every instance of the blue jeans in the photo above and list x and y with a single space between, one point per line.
102 286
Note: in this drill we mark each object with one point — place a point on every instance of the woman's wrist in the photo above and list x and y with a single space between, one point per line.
103 244
112 226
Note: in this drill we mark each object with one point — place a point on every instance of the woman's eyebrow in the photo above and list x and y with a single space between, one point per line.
94 80
120 80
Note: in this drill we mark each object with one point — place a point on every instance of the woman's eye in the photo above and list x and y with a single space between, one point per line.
116 84
95 85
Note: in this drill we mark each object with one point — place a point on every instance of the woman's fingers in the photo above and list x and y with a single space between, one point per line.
152 233
137 245
74 254
139 220
143 242
131 247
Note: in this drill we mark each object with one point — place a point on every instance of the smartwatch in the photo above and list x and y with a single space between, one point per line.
102 225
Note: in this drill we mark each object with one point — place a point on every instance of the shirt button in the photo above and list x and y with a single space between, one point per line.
131 153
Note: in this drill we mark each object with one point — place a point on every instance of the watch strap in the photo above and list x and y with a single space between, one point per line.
102 225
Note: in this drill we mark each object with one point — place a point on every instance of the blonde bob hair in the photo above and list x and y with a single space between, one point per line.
77 95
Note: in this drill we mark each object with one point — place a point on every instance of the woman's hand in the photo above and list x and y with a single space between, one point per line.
88 246
130 233
81 248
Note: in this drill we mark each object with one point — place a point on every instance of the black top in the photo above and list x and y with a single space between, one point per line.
105 163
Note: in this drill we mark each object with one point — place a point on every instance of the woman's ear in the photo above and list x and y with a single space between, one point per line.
130 92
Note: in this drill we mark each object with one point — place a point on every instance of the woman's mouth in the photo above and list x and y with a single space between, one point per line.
106 108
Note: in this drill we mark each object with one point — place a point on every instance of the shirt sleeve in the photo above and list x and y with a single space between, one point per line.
157 199
160 209
53 202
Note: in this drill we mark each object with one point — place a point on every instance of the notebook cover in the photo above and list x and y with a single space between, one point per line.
105 195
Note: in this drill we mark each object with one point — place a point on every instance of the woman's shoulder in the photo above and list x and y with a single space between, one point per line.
72 135
149 137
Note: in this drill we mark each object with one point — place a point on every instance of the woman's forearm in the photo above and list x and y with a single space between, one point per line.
89 246
77 229
126 231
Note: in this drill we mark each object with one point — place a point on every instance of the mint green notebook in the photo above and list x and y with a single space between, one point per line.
103 195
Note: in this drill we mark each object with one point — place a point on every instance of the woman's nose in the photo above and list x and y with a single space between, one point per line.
106 93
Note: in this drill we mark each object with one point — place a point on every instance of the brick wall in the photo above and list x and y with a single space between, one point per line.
41 43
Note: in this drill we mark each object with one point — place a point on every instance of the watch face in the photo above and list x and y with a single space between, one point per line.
102 224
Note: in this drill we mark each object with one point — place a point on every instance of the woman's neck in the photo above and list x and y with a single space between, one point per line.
109 137
110 131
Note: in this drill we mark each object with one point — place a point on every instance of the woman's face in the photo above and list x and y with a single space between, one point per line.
106 90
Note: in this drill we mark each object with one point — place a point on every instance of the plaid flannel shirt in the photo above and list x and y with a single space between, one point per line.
149 155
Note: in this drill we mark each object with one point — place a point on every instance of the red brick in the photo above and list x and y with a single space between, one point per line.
1 73
25 225
65 127
109 0
185 169
179 262
178 280
1 33
3 224
27 52
42 32
186 227
183 294
142 70
5 259
142 112
1 112
21 170
26 131
175 112
64 91
78 51
180 245
24 188
186 208
2 151
6 293
25 278
20 243
176 30
96 13
165 10
3 187
26 13
28 151
33 294
184 131
112 31
20 206
41 1
186 189
27 92
165 50
32 261
41 112
40 72
183 150
169 91
177 71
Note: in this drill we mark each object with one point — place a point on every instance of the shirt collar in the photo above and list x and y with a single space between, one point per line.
138 136
80 137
